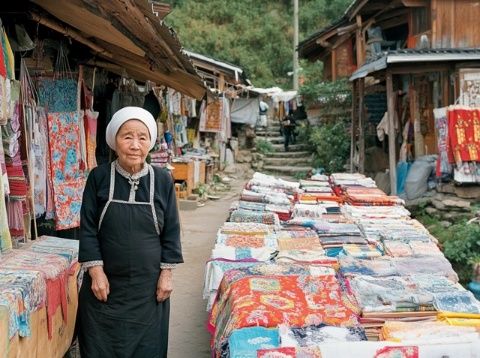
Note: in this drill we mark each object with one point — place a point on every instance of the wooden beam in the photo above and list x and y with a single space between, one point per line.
341 40
415 3
361 124
69 32
416 68
324 43
346 29
392 160
357 9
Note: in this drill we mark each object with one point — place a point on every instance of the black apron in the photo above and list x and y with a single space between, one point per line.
131 323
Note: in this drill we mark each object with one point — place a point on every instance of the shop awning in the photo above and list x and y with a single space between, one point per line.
413 56
125 35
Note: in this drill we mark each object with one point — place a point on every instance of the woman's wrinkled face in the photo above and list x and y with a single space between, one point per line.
133 144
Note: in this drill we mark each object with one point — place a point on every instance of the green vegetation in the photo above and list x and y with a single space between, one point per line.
256 35
264 147
460 243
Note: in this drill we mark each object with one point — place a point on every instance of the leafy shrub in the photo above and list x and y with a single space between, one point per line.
331 145
263 146
463 248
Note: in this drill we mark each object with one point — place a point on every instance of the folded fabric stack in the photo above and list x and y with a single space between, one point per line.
34 277
351 265
251 216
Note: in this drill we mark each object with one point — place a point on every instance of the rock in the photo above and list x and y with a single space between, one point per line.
445 224
230 169
453 216
438 204
244 156
457 203
468 192
447 188
431 211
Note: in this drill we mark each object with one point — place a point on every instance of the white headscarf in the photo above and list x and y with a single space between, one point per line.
125 114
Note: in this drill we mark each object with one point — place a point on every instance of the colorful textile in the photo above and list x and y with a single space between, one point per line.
59 95
397 352
58 246
242 253
457 301
287 352
54 270
244 343
68 179
249 216
245 228
317 334
90 119
464 134
389 294
308 211
441 127
8 56
304 256
40 149
271 300
435 265
299 244
350 266
433 332
21 292
362 251
397 248
5 238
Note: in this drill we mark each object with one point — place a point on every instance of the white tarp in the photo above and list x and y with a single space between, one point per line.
245 110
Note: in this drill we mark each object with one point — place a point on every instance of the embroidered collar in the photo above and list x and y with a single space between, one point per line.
129 176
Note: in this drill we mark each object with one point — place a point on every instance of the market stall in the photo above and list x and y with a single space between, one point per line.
329 266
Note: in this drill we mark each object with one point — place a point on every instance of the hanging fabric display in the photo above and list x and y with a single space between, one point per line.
5 239
90 120
464 134
211 117
68 179
441 127
40 148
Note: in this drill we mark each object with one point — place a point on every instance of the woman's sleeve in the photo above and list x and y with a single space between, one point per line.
170 236
89 245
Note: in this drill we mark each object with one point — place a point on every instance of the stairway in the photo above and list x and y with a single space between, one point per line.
296 161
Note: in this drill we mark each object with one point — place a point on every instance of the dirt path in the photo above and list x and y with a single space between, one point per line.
188 336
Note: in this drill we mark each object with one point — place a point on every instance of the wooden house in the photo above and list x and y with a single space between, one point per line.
408 57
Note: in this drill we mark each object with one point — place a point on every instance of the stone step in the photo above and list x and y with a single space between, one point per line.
270 132
292 147
273 140
302 154
294 162
288 170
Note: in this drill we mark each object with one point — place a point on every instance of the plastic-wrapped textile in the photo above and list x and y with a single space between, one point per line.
381 267
317 334
362 251
299 244
308 211
436 265
245 228
244 343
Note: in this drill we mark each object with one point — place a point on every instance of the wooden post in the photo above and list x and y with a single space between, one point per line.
334 65
359 41
361 125
391 135
353 134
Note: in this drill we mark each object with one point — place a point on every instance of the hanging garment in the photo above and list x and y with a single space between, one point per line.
91 137
60 95
40 148
3 68
211 117
441 126
9 58
5 238
134 233
464 134
67 178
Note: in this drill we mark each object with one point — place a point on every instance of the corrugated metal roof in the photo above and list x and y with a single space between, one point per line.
416 56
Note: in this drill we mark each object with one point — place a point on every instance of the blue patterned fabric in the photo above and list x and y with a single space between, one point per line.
244 343
58 95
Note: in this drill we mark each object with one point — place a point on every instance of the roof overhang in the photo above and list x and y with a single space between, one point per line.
125 33
413 57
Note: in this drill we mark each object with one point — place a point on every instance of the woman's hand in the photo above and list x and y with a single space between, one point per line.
100 285
164 285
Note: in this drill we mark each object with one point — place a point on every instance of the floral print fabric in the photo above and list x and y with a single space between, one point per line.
68 179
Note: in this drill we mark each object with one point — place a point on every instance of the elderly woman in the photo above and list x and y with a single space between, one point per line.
129 244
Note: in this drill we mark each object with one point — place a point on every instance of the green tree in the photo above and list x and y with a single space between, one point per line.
256 35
